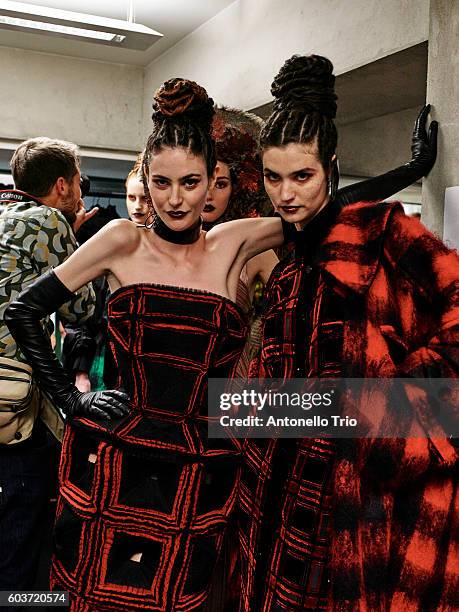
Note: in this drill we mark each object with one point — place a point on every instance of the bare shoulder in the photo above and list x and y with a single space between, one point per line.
231 229
120 235
227 227
249 236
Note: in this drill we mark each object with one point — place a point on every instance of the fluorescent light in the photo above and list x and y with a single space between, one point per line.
56 22
60 29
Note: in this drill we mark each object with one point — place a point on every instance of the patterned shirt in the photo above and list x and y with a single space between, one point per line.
33 239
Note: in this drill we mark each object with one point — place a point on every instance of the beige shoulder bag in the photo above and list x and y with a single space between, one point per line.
15 394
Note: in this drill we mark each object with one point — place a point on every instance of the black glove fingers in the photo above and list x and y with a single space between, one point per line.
121 409
432 137
113 412
108 409
112 406
121 396
115 401
420 123
97 412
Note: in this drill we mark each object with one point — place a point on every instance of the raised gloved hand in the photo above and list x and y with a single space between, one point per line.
424 144
23 317
424 153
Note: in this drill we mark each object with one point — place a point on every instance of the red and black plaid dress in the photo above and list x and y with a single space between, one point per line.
144 501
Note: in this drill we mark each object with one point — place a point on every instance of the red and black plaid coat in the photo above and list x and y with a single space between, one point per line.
386 304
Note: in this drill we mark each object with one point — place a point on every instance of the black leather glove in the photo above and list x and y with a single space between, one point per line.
424 153
23 317
78 348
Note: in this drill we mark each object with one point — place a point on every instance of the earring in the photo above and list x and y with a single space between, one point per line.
333 180
151 215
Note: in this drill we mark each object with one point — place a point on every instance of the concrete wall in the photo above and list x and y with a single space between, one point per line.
368 148
443 93
236 54
95 104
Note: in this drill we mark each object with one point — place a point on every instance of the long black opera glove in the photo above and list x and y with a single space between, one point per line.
424 153
23 317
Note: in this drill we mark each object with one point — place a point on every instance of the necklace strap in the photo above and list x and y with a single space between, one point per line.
187 236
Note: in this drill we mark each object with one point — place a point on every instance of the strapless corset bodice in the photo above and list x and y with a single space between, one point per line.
166 341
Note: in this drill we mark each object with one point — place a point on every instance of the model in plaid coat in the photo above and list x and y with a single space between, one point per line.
365 524
394 540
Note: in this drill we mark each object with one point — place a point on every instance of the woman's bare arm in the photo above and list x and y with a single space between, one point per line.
96 256
248 237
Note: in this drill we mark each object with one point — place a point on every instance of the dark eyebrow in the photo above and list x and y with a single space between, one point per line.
182 178
307 169
299 171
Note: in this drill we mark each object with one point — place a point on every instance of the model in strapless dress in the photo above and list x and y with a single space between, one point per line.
144 502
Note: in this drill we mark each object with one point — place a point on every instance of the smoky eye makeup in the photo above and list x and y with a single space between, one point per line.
160 182
191 181
188 181
271 176
302 175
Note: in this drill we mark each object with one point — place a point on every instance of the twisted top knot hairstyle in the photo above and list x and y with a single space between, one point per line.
182 117
304 106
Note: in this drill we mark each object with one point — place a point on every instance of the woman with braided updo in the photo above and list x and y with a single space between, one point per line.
367 292
238 193
145 495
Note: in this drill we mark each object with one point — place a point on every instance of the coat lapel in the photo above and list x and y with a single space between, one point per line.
352 250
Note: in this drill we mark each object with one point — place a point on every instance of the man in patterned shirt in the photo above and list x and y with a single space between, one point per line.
36 221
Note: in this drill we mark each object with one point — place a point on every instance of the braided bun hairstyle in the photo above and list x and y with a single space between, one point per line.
304 106
182 117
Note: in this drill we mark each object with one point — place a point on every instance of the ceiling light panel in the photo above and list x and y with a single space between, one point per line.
80 26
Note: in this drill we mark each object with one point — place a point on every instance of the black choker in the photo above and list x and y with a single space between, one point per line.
187 236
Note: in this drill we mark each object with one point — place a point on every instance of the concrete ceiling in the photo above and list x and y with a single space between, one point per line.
175 19
389 85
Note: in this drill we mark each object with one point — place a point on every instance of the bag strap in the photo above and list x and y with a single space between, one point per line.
15 365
